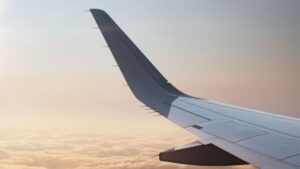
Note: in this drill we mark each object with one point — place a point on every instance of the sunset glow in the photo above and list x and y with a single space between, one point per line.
63 105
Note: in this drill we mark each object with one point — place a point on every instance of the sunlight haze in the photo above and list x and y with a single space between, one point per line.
62 103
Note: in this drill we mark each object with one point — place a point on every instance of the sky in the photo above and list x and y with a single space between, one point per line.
62 102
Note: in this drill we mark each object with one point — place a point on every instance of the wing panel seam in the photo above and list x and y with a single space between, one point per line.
242 120
187 111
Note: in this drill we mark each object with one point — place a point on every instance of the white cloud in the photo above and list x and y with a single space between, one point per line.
85 150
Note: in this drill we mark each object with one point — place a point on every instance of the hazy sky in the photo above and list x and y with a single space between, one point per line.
55 72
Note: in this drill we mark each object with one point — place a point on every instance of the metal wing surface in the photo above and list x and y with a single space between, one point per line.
228 135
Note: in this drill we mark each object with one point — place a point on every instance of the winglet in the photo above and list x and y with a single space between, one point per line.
144 80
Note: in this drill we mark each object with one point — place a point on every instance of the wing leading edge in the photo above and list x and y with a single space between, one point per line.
144 80
236 134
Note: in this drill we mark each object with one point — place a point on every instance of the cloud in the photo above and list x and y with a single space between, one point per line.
18 167
86 150
3 154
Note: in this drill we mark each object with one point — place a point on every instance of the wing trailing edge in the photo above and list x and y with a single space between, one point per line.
199 154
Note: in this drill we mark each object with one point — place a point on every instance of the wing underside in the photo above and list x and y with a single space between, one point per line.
229 135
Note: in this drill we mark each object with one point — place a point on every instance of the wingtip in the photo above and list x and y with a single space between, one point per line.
96 10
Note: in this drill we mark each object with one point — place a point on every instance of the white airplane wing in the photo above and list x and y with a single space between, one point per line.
228 135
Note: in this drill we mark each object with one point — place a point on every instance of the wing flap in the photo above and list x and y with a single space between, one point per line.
200 154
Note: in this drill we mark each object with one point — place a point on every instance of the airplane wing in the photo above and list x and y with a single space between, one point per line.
228 135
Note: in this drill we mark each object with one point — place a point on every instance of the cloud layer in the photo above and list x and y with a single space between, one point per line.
73 149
